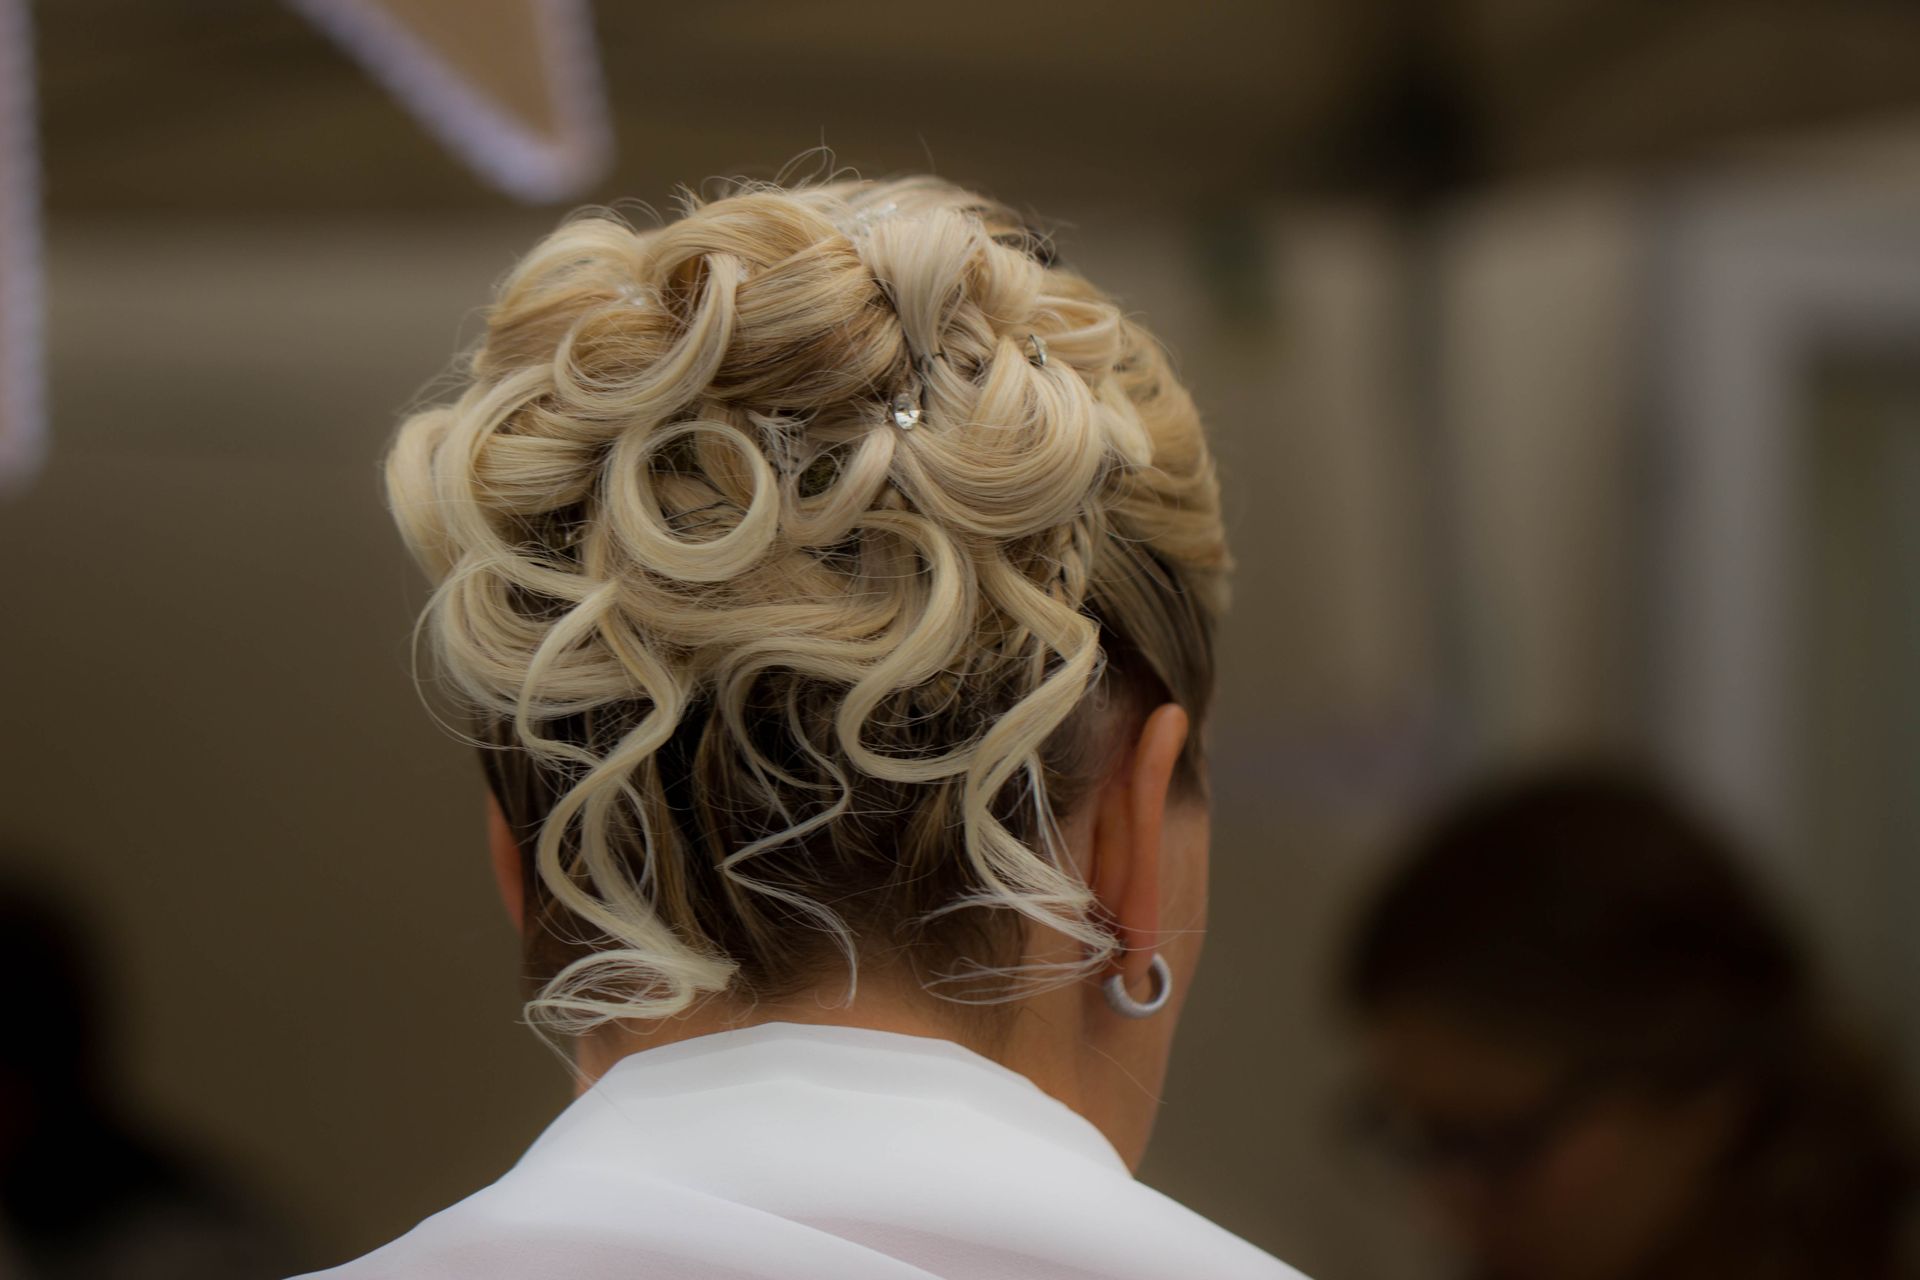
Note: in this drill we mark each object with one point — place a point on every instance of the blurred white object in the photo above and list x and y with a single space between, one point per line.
22 377
528 115
1788 518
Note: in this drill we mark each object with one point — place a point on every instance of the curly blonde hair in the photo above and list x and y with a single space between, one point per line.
763 673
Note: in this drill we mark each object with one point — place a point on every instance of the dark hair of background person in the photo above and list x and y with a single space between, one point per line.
87 1188
1586 910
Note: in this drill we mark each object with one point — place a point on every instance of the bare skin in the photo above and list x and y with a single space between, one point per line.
1143 851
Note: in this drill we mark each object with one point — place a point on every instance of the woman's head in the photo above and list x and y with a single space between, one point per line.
1583 1017
808 563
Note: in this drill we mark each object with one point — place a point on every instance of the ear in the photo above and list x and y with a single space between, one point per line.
1129 838
507 871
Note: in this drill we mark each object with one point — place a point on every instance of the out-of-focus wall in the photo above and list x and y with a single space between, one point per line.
219 750
1537 348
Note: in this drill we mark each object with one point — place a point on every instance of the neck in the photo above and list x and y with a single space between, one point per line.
876 1009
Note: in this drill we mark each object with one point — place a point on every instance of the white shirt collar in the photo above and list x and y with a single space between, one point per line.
817 1153
835 1057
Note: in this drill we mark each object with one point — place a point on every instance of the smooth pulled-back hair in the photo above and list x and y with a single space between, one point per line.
763 679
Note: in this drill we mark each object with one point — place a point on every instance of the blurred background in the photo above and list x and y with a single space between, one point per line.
1563 358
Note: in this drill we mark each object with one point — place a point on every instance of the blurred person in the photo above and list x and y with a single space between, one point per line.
831 577
87 1192
1607 1059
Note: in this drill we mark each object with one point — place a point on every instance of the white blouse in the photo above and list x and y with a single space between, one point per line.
790 1152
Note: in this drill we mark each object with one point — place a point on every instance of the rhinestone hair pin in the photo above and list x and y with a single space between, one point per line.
908 408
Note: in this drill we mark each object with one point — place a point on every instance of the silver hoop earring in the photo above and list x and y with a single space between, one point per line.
1126 1006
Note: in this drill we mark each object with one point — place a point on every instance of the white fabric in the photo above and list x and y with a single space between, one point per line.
789 1152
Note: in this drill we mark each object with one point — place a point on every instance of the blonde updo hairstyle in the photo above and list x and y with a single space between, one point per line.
761 675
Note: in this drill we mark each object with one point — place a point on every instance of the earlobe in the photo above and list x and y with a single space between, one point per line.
504 852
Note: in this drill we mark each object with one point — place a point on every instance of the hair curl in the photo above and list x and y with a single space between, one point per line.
761 676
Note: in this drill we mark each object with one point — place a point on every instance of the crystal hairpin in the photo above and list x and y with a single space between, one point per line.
907 408
634 295
1038 346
